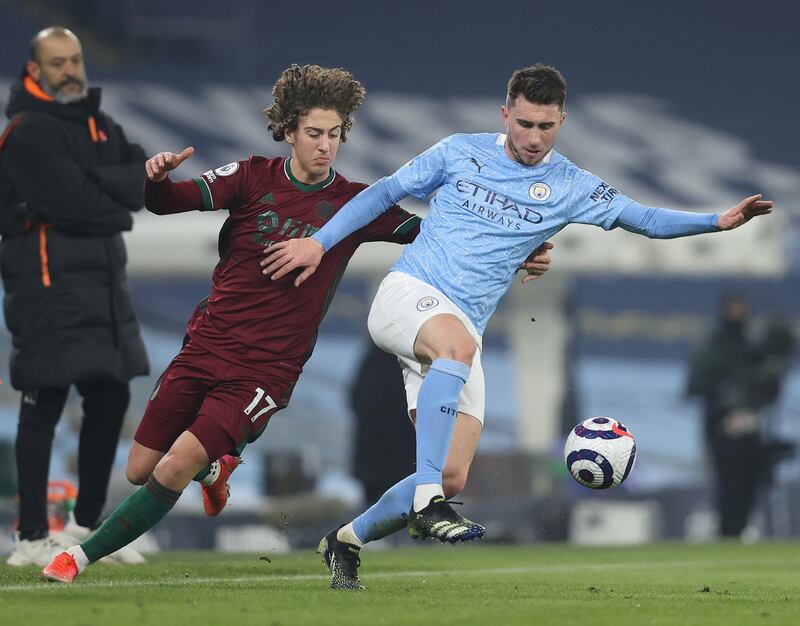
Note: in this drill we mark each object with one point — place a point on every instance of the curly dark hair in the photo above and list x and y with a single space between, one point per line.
540 84
304 87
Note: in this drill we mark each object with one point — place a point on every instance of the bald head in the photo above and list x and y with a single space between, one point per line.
50 32
56 64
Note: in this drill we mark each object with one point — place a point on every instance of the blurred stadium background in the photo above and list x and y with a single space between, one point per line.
688 105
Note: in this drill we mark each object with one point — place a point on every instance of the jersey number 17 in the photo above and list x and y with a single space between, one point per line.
260 395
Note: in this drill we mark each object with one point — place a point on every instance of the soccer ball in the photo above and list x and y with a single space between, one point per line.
600 453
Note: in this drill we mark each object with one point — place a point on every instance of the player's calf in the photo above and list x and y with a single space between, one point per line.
453 481
74 534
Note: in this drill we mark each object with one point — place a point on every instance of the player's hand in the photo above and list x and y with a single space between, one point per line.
537 263
159 165
286 256
743 212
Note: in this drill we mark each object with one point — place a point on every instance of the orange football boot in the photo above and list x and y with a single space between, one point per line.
215 496
62 569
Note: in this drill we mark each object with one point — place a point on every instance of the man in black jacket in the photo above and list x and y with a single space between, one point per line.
69 180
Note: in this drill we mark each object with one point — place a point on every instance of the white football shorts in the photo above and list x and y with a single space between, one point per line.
400 308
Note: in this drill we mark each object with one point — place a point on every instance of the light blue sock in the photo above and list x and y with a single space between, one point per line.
387 515
437 409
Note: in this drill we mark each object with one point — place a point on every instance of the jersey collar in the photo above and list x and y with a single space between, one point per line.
501 141
300 184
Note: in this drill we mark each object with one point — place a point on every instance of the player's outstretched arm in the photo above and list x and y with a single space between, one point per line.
660 223
286 256
157 167
537 263
747 209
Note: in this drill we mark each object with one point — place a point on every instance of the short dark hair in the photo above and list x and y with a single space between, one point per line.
540 84
302 88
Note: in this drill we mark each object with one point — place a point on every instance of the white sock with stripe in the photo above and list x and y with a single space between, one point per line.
81 560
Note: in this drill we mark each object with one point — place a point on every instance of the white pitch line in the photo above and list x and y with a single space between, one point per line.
532 569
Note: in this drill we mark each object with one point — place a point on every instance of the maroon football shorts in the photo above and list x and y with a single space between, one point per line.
224 404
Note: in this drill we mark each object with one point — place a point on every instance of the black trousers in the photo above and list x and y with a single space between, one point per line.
737 464
104 406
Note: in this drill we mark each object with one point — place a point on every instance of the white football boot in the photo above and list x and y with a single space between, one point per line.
36 551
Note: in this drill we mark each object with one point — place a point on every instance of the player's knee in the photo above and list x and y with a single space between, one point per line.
173 472
139 466
176 469
462 351
137 475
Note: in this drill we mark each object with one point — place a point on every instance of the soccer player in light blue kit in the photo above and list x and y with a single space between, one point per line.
499 197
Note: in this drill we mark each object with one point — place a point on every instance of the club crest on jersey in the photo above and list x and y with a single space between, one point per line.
324 209
426 303
227 170
539 191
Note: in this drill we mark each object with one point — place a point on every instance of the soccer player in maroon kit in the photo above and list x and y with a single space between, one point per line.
247 348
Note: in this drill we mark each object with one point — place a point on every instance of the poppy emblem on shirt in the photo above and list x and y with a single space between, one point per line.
426 303
539 191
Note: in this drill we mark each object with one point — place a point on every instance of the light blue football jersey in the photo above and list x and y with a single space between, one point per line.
490 213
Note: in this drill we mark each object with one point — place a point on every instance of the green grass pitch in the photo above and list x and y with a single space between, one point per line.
490 585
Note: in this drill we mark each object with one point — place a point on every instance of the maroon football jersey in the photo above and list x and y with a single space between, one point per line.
249 317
